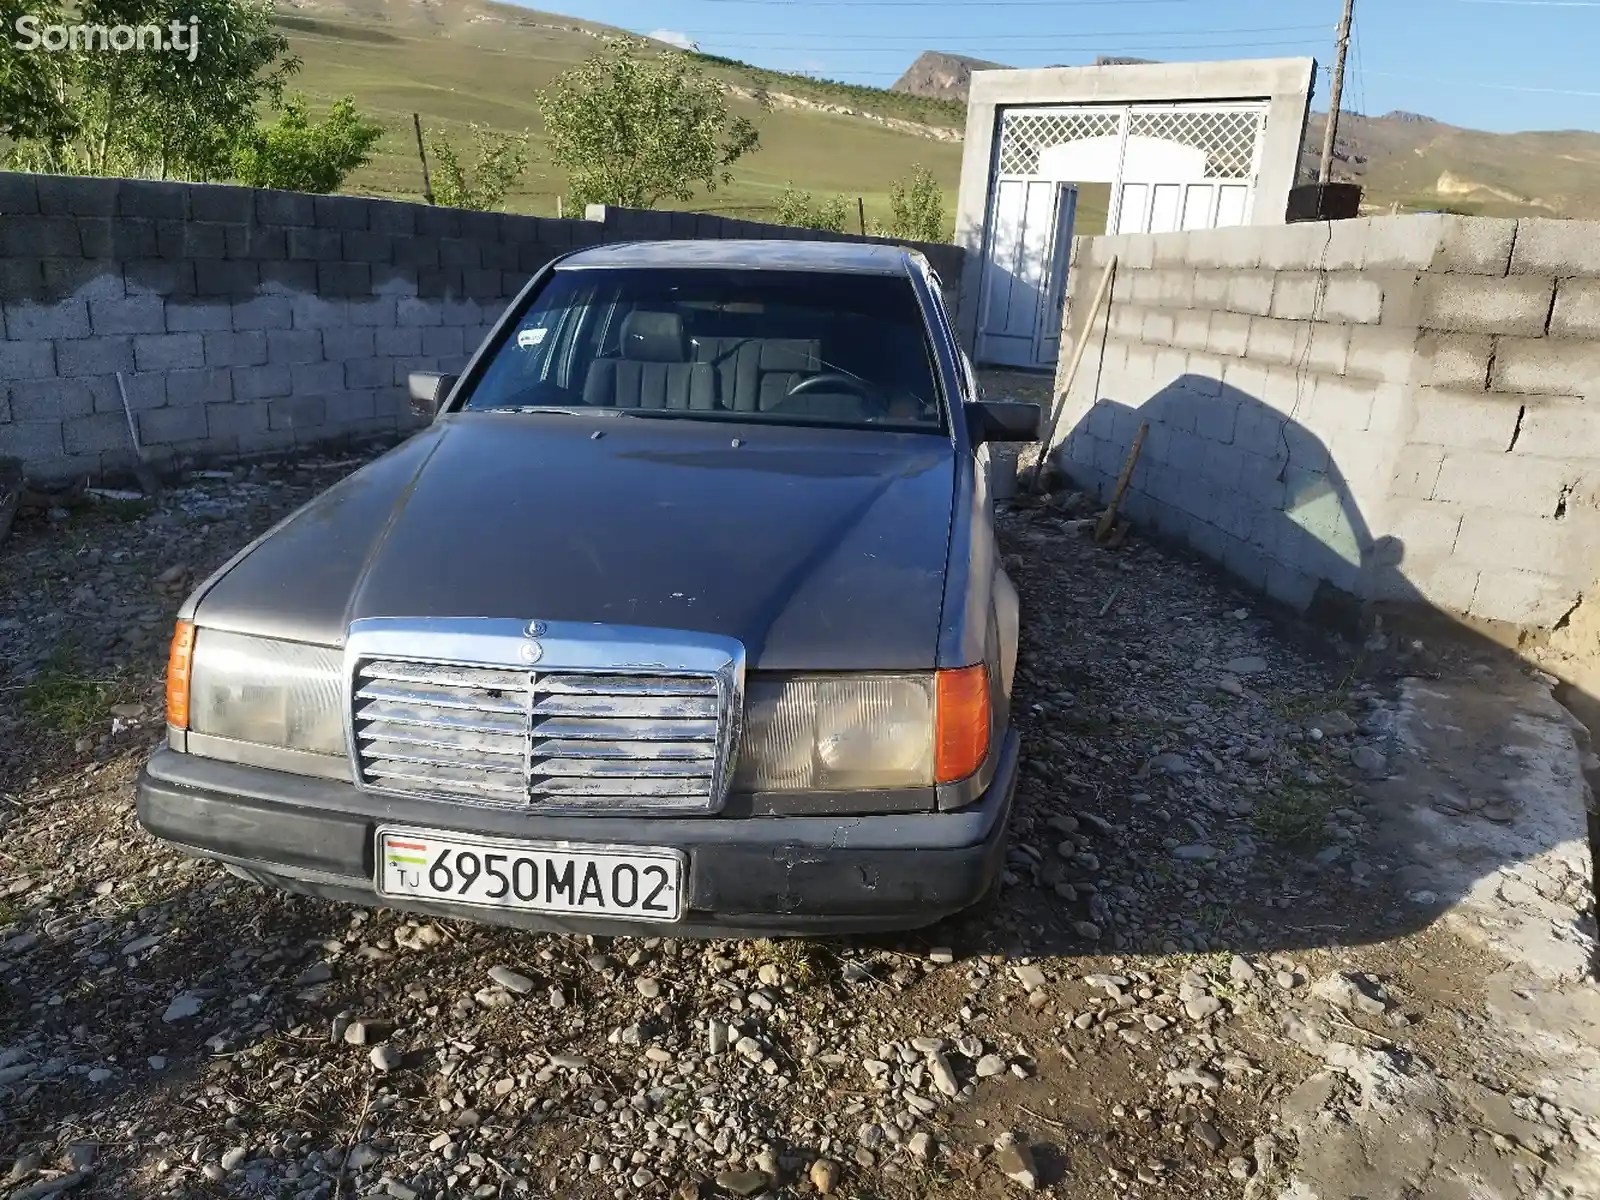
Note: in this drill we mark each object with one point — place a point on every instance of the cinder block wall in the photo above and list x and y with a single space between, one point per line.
1397 408
248 322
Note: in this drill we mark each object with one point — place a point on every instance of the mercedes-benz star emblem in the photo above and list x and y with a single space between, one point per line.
535 629
531 652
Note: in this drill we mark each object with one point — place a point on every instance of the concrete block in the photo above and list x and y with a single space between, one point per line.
414 311
1344 245
315 245
1260 479
198 317
130 314
1355 299
50 399
288 278
1524 598
462 312
227 280
27 360
1444 583
1427 527
298 412
1577 309
191 240
66 318
1278 342
1235 248
1168 365
34 442
94 356
1158 326
394 217
459 252
1206 540
19 193
1220 463
263 312
1307 451
1561 427
1416 472
97 434
1215 421
1406 243
290 346
416 252
365 246
355 342
394 281
1290 586
1258 432
442 340
1190 329
1465 420
315 312
1291 247
1285 391
350 279
1512 483
1549 365
347 406
238 348
1296 295
1229 334
1186 452
1475 245
1381 353
1474 304
374 312
1454 360
77 196
157 277
368 373
163 426
1245 562
1494 541
1339 404
168 351
1204 373
206 386
317 378
404 340
1392 404
1250 292
262 382
1556 247
256 243
236 419
40 237
1124 321
1211 289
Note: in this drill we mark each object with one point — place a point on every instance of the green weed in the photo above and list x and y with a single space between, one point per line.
1293 813
62 698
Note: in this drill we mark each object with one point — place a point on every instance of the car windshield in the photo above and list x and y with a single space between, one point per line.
748 345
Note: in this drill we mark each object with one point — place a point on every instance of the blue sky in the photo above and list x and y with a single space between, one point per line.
1488 64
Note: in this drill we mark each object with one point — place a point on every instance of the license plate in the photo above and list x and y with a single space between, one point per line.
630 883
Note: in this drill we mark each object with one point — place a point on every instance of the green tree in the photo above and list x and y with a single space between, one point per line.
501 160
916 208
801 210
632 130
168 112
296 155
33 103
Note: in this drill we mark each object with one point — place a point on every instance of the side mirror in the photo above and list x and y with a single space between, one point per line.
428 391
1003 421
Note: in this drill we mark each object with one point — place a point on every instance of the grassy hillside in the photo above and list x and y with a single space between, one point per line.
466 61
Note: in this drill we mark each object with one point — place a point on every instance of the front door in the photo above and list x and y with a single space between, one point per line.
1015 271
1047 341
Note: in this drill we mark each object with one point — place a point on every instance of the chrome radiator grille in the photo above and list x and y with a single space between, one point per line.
571 740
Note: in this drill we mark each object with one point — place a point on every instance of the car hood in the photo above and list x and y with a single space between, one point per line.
818 549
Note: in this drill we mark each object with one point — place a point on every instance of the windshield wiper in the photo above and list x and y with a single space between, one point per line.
549 408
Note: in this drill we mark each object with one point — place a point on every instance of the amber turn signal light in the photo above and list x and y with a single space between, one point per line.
178 663
961 722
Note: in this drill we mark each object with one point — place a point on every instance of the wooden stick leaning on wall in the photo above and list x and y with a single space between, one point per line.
427 182
1082 344
1108 519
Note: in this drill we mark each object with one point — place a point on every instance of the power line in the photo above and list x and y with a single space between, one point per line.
1017 37
1499 87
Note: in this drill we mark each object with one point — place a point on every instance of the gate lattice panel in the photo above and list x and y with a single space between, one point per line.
1025 134
1228 136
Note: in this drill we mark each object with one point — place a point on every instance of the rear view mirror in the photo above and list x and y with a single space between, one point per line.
1003 421
428 390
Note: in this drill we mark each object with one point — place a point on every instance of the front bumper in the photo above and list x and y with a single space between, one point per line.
746 875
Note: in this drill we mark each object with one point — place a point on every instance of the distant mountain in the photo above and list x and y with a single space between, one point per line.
942 76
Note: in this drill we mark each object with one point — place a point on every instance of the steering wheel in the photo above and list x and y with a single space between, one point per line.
834 381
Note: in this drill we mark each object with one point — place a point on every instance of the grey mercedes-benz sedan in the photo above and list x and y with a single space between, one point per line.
683 614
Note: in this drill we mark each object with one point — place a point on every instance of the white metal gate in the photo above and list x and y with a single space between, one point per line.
1170 166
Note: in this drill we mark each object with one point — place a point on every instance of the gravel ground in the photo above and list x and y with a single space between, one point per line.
1193 900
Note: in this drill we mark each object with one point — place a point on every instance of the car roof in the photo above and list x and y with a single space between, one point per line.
859 258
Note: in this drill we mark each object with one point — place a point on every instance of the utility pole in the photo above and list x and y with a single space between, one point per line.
1332 130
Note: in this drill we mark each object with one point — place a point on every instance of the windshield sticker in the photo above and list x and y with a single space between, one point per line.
529 338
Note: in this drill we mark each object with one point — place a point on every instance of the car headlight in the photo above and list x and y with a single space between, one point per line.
853 733
270 692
